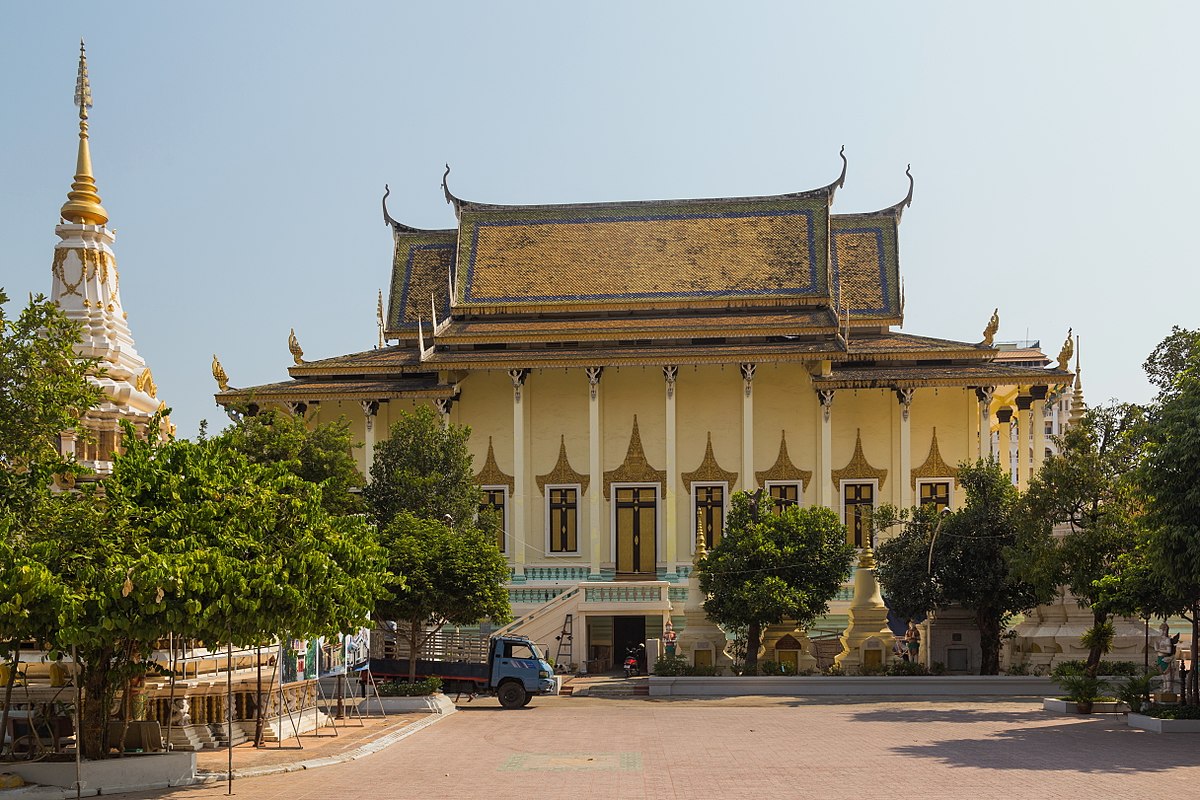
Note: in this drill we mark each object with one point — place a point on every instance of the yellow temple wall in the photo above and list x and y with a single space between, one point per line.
486 404
557 407
785 402
952 412
873 412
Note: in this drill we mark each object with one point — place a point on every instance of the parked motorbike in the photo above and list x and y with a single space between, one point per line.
631 666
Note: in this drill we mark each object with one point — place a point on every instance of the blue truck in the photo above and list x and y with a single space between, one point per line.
510 667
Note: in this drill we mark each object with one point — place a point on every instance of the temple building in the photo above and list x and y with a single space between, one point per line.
86 286
626 366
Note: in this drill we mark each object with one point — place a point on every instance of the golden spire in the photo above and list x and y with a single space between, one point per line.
701 550
379 318
218 373
1078 407
83 204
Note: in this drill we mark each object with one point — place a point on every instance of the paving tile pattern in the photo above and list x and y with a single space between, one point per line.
755 747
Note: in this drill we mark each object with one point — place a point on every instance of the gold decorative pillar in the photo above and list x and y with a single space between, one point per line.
1004 417
670 496
825 495
1024 440
596 533
867 640
747 427
520 522
903 487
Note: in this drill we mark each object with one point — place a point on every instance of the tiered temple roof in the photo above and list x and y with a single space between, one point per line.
761 279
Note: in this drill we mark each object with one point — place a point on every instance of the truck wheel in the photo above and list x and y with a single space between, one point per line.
512 695
528 699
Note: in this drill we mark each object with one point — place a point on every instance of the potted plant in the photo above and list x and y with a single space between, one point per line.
1135 691
1082 690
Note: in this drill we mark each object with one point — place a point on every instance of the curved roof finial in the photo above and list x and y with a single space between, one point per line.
387 218
989 333
841 179
450 198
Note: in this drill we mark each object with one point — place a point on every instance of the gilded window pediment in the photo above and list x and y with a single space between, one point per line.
635 468
492 475
562 472
783 468
934 466
709 470
859 468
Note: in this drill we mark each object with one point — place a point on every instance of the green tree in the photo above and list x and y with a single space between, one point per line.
318 454
43 385
423 496
965 558
193 539
769 567
1170 477
1088 486
451 576
423 468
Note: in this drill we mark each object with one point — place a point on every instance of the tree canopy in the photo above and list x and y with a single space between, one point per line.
964 558
1087 486
771 567
319 453
424 468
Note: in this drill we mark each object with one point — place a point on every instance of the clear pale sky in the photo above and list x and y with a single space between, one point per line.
241 151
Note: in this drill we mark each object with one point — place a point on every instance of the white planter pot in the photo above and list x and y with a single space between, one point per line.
1156 725
426 704
109 776
1068 707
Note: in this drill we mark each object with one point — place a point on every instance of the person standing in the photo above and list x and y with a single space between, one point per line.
912 641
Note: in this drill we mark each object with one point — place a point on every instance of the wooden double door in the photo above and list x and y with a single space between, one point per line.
637 530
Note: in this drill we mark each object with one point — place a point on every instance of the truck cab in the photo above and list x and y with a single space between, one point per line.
518 671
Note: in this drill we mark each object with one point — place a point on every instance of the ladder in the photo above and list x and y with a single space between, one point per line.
565 653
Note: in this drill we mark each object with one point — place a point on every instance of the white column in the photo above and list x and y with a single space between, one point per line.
825 496
670 373
1038 415
1024 440
370 409
596 530
905 397
984 394
520 494
747 427
1004 417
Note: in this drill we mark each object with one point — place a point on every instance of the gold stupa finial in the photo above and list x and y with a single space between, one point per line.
379 318
1068 348
701 549
83 203
294 346
1078 406
218 372
989 333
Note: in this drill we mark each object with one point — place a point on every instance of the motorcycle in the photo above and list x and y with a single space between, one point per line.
631 666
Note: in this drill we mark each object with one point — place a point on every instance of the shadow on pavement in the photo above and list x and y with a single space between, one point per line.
1085 746
945 715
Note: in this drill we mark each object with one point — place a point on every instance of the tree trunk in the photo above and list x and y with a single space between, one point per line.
1194 673
97 698
753 637
988 622
414 645
1096 652
8 686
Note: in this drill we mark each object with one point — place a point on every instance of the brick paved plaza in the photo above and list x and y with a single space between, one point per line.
754 747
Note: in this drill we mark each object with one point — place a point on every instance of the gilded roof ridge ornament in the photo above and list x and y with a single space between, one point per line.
218 373
1068 349
294 347
388 219
989 333
83 203
379 318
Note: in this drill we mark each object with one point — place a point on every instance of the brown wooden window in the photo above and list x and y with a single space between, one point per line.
494 500
860 501
783 495
936 494
564 519
710 509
